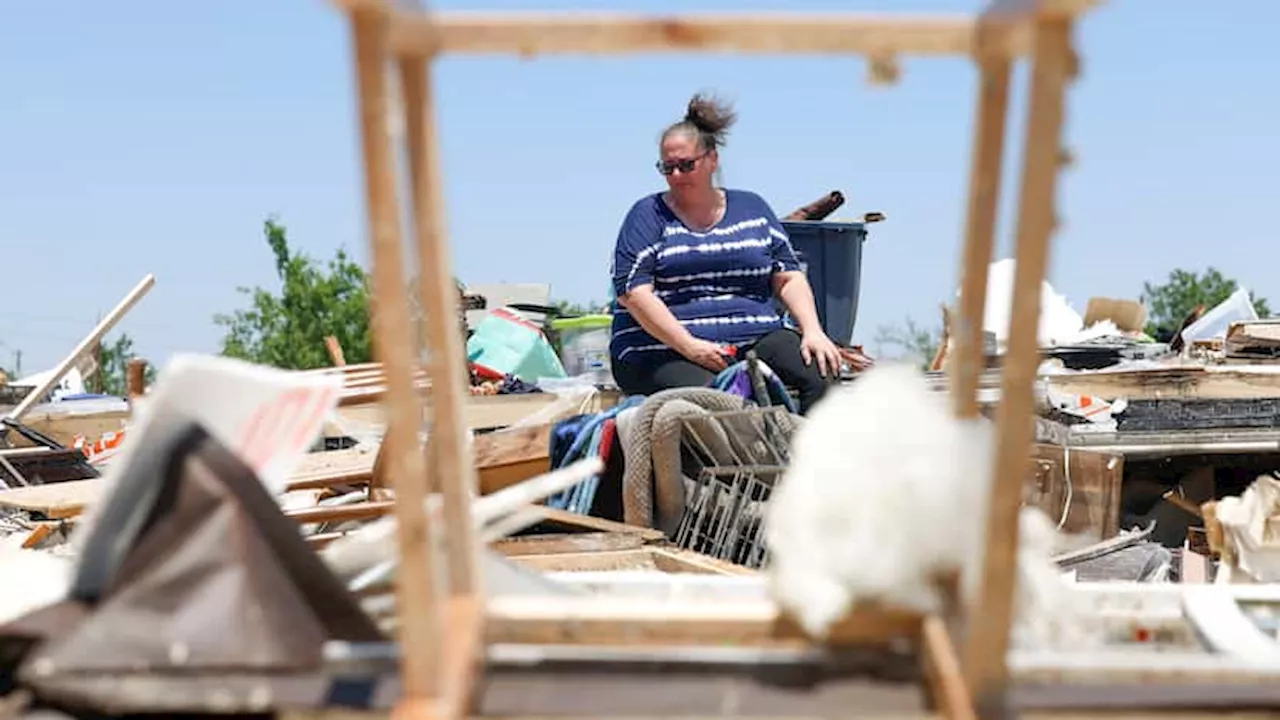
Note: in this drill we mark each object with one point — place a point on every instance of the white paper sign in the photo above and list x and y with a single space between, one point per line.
269 417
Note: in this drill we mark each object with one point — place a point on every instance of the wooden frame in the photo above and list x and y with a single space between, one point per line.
439 655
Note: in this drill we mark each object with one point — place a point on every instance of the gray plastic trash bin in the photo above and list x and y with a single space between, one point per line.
831 255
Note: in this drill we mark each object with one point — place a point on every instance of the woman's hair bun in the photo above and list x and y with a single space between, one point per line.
711 116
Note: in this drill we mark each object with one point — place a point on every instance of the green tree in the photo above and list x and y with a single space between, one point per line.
111 376
1170 302
286 329
909 341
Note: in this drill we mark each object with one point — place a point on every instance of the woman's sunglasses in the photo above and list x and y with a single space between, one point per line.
666 167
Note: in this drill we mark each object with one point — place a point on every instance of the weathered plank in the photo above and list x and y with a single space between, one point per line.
1173 383
56 501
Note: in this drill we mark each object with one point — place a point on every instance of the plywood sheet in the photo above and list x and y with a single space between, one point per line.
1175 383
336 461
482 411
1082 489
561 543
64 427
56 501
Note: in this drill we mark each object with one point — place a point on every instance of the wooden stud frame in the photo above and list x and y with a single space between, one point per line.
444 629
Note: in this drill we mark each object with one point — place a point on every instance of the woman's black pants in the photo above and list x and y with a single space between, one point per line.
780 350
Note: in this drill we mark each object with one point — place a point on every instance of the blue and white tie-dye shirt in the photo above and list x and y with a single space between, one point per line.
718 283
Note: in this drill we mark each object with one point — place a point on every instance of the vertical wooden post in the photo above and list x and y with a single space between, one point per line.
449 457
95 380
968 358
438 294
136 378
416 600
987 644
335 351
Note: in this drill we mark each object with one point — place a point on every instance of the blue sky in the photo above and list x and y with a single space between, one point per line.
156 137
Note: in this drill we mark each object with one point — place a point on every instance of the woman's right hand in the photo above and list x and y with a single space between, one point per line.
707 354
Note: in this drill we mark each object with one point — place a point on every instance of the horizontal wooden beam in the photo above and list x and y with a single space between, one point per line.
634 622
530 34
871 35
342 513
1038 9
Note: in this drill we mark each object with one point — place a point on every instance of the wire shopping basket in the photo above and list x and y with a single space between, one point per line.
735 458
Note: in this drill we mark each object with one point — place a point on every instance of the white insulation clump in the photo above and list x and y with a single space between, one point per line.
886 490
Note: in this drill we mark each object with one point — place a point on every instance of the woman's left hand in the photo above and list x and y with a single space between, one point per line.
816 345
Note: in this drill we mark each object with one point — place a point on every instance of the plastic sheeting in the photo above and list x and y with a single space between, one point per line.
1059 322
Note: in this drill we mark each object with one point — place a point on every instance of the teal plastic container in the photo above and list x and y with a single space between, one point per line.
506 344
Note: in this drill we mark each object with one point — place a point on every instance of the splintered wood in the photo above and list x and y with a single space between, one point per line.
442 642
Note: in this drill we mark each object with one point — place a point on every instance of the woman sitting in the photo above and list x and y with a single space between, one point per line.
695 270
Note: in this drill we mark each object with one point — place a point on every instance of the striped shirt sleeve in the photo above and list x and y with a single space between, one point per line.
636 251
784 255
